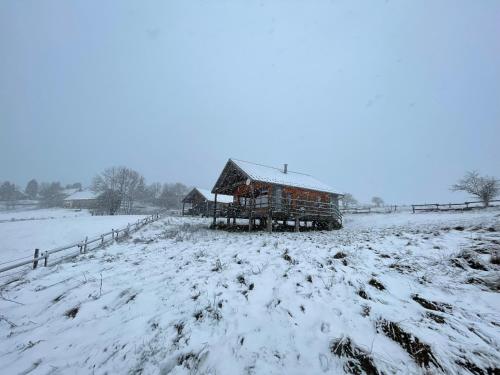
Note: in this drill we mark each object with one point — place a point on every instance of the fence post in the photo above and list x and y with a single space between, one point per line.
413 207
85 245
35 256
113 234
102 239
46 261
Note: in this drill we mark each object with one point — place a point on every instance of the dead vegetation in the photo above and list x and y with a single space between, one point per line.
376 284
358 361
288 258
71 313
475 369
431 305
437 318
420 352
468 259
362 294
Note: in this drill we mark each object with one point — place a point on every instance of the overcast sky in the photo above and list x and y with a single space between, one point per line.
389 98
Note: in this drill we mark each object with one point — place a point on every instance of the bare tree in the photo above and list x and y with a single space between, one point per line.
484 187
10 193
109 201
51 194
377 201
125 182
172 194
153 192
348 200
32 189
76 185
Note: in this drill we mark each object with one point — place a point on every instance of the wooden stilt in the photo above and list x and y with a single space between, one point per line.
215 210
297 224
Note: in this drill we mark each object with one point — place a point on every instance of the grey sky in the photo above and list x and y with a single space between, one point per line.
389 98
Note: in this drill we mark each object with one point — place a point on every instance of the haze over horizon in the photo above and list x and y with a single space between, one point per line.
395 99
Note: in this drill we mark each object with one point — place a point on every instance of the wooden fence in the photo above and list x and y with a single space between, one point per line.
78 248
451 206
369 210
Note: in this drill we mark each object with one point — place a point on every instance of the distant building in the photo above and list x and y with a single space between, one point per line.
81 199
201 202
267 195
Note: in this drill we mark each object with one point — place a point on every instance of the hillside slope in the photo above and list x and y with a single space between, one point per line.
387 294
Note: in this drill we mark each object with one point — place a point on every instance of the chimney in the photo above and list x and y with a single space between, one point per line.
285 168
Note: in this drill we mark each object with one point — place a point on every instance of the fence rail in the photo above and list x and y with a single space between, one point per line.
368 210
81 246
451 206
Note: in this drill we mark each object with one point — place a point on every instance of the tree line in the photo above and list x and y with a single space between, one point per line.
116 188
484 188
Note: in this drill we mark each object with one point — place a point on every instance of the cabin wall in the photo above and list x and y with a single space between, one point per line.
283 201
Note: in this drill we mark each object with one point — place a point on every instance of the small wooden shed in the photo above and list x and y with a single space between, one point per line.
266 195
202 202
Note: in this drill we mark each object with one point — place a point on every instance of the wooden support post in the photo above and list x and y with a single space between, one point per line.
297 224
112 234
85 245
413 207
228 219
183 203
35 256
215 209
269 222
46 260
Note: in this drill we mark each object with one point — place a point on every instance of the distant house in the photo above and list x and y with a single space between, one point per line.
266 195
201 202
81 199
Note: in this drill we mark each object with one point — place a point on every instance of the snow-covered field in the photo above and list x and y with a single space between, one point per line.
23 231
396 293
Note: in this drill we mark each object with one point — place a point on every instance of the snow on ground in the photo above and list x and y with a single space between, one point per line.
23 231
403 293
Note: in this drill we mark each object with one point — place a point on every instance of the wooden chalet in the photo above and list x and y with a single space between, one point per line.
267 195
202 202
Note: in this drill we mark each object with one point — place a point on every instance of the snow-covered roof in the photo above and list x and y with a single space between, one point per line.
81 195
70 191
211 197
273 175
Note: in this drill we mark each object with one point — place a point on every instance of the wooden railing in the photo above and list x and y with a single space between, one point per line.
294 208
451 206
387 209
80 247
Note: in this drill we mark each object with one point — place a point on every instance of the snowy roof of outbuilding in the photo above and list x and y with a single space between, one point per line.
211 197
273 175
81 195
68 192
